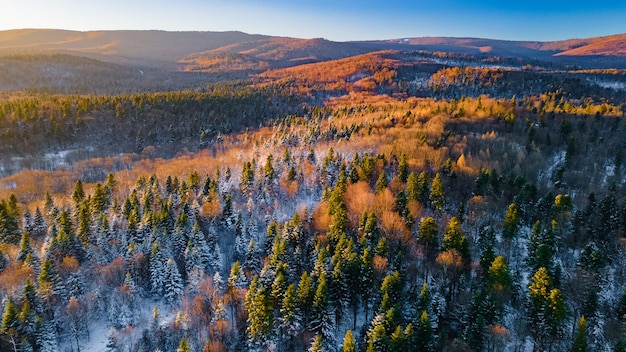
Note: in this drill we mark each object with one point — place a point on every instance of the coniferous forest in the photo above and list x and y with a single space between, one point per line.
391 201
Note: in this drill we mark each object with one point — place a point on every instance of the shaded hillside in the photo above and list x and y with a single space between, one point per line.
70 74
269 53
120 46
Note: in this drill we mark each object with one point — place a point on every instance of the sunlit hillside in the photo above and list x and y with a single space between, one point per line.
277 194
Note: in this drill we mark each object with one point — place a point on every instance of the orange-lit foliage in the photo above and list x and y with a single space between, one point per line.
289 187
384 202
68 265
211 209
394 227
114 273
215 345
13 277
380 264
450 260
339 75
359 198
321 219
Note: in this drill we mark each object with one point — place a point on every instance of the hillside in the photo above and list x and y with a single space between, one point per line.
206 51
233 192
600 51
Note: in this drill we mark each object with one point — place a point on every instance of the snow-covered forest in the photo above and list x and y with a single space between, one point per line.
371 222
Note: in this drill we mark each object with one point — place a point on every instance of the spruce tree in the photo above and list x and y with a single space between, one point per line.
173 283
349 345
580 336
437 198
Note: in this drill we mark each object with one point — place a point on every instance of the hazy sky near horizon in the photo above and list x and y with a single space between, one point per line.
336 20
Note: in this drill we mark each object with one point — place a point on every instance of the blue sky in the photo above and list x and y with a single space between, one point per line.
332 19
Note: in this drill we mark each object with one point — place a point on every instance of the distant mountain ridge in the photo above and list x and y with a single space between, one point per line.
614 45
193 50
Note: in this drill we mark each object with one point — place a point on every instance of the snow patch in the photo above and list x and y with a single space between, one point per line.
557 160
609 171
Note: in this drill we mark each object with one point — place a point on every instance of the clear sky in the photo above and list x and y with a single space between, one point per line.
339 20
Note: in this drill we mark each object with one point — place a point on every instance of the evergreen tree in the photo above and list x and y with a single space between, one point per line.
349 345
397 340
183 346
321 322
377 337
318 344
47 339
4 261
424 333
428 234
25 248
173 284
437 198
381 182
403 168
305 297
290 320
580 336
546 308
454 239
258 304
367 280
499 277
9 230
158 269
10 319
511 222
79 193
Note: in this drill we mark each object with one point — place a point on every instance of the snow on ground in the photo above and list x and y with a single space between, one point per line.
557 160
99 330
98 334
608 172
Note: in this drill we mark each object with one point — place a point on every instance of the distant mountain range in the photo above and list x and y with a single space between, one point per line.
212 51
105 62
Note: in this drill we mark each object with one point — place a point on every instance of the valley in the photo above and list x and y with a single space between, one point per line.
232 192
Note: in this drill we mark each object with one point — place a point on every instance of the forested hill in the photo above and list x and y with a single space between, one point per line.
396 200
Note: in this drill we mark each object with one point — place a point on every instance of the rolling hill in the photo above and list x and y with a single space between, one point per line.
210 51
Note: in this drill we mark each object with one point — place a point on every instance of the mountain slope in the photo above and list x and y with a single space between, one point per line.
120 46
607 47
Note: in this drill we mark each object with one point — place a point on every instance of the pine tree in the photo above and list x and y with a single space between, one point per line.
290 320
377 338
183 346
428 234
258 304
10 319
511 222
158 269
437 198
4 261
454 239
546 307
111 345
580 336
9 230
47 339
381 182
321 322
367 280
305 297
349 345
173 282
79 193
397 340
499 277
424 333
25 248
318 344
